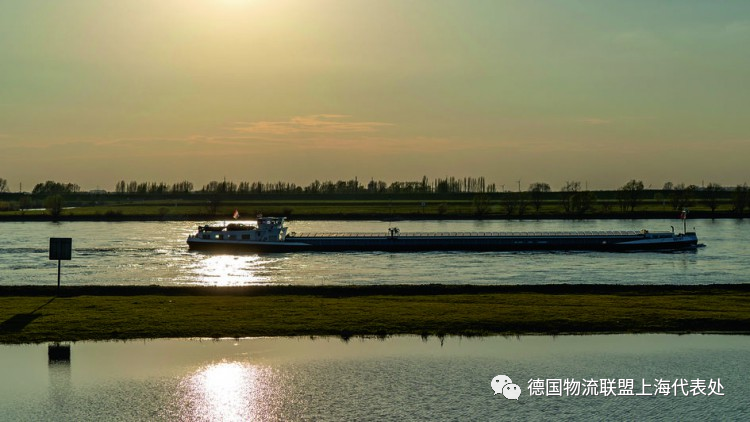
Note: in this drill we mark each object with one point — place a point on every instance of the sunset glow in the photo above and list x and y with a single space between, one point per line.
94 92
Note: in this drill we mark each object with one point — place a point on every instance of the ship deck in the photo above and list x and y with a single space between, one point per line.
618 233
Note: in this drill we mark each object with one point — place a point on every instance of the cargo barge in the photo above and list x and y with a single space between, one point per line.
270 235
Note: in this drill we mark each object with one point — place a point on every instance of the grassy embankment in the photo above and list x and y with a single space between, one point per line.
114 209
34 314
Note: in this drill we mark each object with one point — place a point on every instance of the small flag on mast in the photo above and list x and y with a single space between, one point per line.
236 214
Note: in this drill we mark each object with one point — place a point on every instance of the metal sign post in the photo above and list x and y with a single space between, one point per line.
60 248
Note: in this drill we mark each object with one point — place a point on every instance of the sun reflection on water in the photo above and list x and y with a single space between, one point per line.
227 391
232 270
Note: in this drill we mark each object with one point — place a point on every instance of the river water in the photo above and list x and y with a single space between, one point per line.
399 378
147 253
692 377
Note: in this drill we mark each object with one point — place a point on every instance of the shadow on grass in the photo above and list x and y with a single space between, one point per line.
18 322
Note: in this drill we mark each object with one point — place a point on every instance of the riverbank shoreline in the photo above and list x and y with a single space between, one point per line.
645 215
34 314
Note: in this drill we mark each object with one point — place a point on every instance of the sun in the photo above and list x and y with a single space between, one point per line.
236 2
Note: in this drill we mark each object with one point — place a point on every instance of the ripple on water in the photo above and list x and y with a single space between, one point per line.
156 253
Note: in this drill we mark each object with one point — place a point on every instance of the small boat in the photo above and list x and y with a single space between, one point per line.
270 235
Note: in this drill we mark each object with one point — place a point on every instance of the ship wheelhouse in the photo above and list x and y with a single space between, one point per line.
268 229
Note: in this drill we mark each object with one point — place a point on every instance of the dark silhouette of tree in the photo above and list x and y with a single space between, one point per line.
314 187
537 192
54 188
54 205
3 185
223 187
24 202
740 198
712 192
583 202
682 196
515 202
522 202
569 192
376 186
182 187
509 203
449 185
482 205
630 194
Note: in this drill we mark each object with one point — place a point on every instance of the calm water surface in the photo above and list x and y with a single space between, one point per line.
401 378
156 253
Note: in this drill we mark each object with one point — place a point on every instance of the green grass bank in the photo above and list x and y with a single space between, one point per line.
116 208
38 314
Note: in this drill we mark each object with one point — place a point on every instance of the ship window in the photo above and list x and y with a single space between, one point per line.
230 237
206 236
245 237
218 236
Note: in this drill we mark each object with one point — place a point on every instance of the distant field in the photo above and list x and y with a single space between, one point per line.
199 209
34 314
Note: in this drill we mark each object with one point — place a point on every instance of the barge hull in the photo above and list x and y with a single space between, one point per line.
468 243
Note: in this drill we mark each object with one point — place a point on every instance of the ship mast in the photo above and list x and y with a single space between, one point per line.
683 216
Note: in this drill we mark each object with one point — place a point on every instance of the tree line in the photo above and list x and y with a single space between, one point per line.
628 196
570 200
444 185
157 188
575 201
570 197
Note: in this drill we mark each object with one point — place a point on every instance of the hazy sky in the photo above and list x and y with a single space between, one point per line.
95 91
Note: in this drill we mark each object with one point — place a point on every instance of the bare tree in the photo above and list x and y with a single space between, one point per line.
510 203
682 196
482 205
630 194
569 192
582 202
537 191
712 192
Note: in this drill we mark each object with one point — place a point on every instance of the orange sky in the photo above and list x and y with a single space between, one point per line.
97 91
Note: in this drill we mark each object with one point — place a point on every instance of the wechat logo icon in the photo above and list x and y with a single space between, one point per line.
502 384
